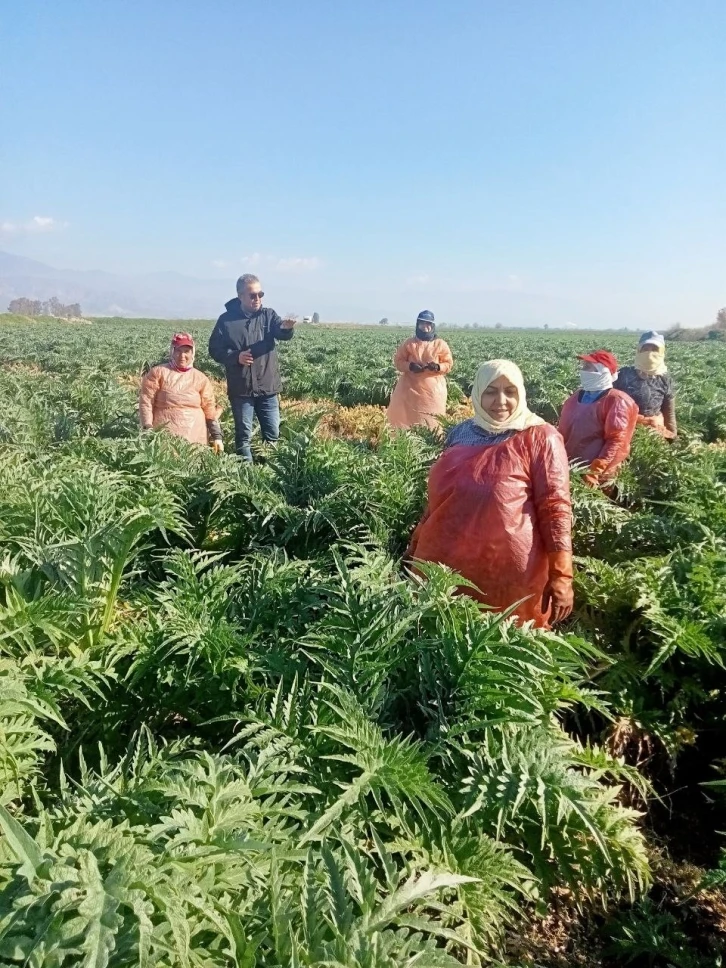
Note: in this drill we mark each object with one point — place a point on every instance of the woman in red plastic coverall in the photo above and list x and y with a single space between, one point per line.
597 422
423 362
498 508
180 398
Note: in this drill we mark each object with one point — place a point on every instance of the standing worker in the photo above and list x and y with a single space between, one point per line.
498 509
180 398
423 361
243 341
597 422
651 386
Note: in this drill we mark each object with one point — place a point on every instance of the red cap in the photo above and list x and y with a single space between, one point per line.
601 356
182 339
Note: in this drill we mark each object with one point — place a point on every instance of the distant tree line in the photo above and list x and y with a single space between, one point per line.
52 307
716 331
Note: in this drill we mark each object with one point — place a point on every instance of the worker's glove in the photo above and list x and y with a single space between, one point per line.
558 594
218 446
595 472
416 367
652 422
434 367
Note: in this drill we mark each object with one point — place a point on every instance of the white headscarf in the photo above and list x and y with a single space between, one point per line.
594 381
521 418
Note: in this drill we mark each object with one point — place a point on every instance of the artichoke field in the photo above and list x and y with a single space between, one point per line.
234 733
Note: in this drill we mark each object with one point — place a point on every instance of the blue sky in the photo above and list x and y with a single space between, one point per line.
522 161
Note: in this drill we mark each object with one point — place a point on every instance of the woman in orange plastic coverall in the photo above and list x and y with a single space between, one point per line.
498 508
597 422
423 362
176 396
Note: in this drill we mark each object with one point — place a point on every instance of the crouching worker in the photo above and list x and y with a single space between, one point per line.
498 508
180 398
597 422
651 386
423 361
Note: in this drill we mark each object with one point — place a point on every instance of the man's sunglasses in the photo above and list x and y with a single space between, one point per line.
255 295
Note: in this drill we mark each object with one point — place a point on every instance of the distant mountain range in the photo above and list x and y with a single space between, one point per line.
171 295
163 295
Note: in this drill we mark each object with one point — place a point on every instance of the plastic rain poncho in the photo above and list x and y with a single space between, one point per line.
500 515
419 398
182 401
599 434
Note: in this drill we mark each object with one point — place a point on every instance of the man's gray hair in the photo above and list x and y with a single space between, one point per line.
245 281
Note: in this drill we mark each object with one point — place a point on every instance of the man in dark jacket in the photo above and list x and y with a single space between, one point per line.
243 341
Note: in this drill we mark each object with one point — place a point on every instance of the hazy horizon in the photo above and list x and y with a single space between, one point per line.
41 282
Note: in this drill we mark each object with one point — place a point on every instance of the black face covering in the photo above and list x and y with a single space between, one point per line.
424 336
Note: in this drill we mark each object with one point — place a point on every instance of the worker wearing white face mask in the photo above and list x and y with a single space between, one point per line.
651 386
597 421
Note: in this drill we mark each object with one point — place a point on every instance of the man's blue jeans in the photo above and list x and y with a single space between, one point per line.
244 409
